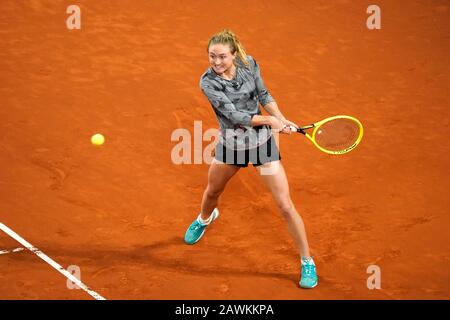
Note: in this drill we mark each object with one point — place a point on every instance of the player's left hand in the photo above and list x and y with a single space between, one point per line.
287 126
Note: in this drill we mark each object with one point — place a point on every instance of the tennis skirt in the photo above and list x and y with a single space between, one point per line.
266 152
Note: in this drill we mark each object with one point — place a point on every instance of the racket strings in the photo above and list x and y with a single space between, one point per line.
337 134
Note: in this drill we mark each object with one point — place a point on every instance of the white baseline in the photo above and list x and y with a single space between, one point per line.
50 261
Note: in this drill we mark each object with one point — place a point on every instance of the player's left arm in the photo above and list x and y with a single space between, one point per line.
266 100
272 109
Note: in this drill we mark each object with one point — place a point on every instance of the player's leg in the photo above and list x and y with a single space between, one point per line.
218 175
274 176
275 179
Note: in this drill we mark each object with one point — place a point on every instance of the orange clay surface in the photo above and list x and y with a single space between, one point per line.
120 211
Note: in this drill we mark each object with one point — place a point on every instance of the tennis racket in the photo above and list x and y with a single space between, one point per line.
334 135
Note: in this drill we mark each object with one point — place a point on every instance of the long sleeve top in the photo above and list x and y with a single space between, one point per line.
235 102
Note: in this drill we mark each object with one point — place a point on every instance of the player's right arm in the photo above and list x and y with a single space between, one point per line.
273 122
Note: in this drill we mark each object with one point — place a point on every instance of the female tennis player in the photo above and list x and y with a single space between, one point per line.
234 87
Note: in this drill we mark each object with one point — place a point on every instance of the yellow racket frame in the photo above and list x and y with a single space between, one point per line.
316 127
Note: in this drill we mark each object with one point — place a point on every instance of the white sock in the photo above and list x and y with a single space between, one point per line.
205 222
307 260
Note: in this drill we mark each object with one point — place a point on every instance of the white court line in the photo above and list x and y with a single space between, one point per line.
47 259
13 251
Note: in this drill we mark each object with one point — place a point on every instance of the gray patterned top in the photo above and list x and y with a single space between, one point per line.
235 102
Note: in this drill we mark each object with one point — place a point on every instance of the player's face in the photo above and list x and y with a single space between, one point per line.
220 58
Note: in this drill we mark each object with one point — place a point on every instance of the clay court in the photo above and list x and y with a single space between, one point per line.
119 211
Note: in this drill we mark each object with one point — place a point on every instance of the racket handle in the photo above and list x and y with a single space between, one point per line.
294 129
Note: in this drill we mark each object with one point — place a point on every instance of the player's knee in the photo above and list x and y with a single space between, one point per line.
286 208
213 192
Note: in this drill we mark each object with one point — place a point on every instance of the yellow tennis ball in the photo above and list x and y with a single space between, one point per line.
97 139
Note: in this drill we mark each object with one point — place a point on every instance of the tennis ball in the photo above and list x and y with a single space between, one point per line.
97 139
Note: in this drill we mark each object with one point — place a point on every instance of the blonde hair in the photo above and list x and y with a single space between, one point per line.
227 37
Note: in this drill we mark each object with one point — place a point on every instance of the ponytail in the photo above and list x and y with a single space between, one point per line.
227 37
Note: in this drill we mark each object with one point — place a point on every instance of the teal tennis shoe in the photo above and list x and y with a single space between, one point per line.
196 230
308 278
